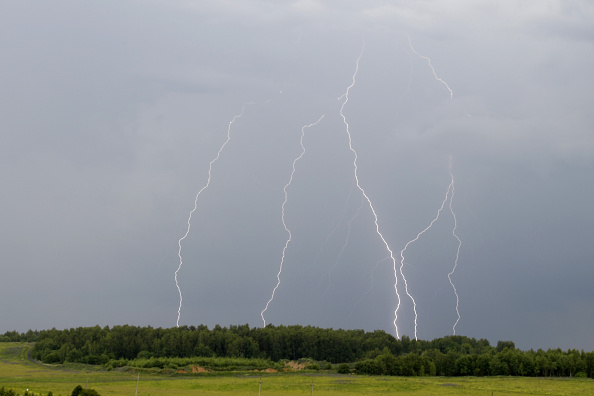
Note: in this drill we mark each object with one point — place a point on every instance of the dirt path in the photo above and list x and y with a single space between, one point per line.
29 355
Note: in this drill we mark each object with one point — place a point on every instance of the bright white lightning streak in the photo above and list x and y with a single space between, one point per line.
431 66
450 187
457 254
280 270
179 242
346 96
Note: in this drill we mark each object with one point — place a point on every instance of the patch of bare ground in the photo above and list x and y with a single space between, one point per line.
198 369
293 365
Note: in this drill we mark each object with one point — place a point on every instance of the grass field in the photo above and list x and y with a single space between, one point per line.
18 373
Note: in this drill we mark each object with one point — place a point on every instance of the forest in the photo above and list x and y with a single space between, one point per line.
356 351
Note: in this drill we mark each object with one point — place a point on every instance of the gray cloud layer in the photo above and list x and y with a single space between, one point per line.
110 115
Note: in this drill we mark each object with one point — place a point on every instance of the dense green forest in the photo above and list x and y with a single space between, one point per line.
374 353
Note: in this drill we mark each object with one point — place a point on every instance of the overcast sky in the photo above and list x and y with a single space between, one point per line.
111 112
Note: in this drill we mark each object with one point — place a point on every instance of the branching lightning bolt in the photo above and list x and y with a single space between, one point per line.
414 240
451 198
346 99
457 252
431 66
179 242
283 217
450 187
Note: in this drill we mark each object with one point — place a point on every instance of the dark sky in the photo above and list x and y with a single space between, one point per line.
111 113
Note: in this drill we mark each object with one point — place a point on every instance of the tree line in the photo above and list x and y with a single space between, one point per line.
373 353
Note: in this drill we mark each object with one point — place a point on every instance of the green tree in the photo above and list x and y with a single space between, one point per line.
344 368
389 363
51 357
89 392
79 391
501 345
464 365
369 367
483 365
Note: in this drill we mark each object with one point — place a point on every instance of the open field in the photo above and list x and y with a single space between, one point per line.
18 373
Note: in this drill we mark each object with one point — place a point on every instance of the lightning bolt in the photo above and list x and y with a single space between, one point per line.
457 252
431 66
450 187
377 229
280 270
446 198
179 242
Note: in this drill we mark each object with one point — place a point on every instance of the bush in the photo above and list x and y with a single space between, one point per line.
7 392
144 355
344 368
79 391
51 357
369 367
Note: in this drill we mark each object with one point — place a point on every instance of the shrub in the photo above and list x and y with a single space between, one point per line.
144 355
344 368
51 357
79 391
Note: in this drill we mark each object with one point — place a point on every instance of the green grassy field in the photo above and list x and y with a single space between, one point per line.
18 373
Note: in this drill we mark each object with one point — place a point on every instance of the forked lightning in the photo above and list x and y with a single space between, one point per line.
450 197
457 253
346 99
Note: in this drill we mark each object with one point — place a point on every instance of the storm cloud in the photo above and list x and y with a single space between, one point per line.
111 114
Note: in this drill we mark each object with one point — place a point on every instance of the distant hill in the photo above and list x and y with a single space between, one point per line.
372 353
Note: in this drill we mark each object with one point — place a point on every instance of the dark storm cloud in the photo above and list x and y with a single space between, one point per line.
112 113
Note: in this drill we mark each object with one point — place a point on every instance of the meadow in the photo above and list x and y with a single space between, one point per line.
17 372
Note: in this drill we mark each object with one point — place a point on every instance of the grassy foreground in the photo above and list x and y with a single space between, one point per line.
18 373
